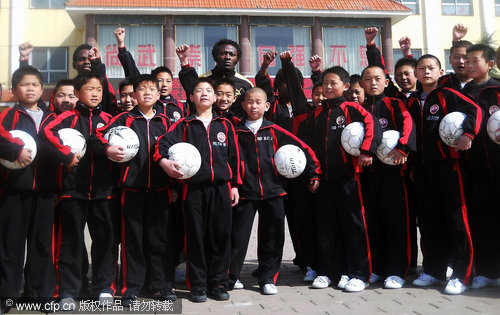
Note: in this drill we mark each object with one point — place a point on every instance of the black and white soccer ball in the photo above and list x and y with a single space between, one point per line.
352 137
188 156
493 127
290 161
74 140
29 143
126 138
450 128
390 139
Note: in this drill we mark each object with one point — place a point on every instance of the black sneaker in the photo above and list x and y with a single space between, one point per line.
219 293
127 301
198 296
165 294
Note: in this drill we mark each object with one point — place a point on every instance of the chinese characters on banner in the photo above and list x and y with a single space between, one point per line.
339 56
145 56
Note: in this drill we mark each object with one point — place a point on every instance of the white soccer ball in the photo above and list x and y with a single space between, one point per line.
390 139
74 140
29 143
290 161
126 138
187 156
352 137
493 127
450 128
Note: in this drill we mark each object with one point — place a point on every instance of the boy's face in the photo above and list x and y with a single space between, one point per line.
317 96
91 93
333 86
477 67
29 90
225 96
127 99
64 98
255 104
355 93
374 81
227 58
82 62
428 71
203 96
146 94
457 60
405 78
165 81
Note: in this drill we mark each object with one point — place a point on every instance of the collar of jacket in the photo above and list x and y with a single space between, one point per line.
223 74
215 115
86 111
40 104
334 102
135 112
242 125
370 100
168 99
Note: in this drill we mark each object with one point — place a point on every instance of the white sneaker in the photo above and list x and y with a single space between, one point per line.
269 289
106 299
67 304
449 272
321 282
481 281
355 285
374 278
455 286
344 279
394 282
238 285
311 274
425 280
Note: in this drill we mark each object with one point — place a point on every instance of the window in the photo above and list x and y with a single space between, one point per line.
497 7
143 42
295 39
448 68
52 63
412 4
346 47
457 7
417 53
201 39
48 4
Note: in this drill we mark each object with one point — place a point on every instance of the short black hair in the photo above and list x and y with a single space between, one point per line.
201 80
123 83
354 78
406 61
224 81
82 78
338 70
19 74
429 56
161 69
77 50
146 78
63 82
460 44
222 42
317 85
488 51
279 79
369 67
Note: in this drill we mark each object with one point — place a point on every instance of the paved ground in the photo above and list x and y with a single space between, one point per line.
296 297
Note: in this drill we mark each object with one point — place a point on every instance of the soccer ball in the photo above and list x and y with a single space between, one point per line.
290 161
450 128
29 143
493 127
187 156
126 138
74 140
352 137
390 139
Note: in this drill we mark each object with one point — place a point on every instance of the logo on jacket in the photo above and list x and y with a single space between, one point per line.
177 116
221 137
383 122
100 125
340 120
434 109
493 109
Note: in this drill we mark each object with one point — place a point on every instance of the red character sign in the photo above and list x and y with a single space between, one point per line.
339 57
261 51
145 55
112 56
298 54
194 57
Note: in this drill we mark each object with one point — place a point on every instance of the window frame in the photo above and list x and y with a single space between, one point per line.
49 5
410 4
455 5
48 71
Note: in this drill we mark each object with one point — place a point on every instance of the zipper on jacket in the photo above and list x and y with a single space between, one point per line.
149 154
91 157
258 166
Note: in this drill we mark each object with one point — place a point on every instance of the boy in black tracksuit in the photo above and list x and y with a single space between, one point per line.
341 228
87 195
384 188
262 189
147 238
442 213
26 199
208 195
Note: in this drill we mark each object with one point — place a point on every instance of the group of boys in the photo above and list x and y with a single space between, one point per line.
360 229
